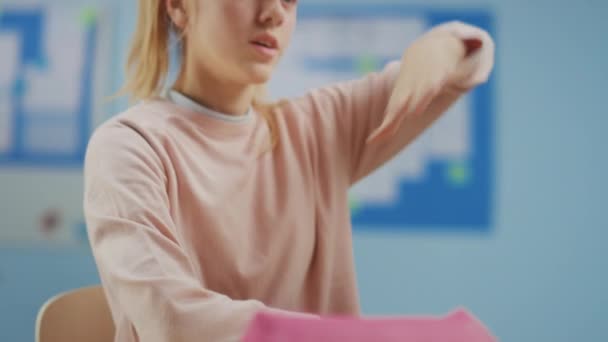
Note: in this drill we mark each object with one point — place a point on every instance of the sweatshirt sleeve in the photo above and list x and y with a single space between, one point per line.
345 114
142 267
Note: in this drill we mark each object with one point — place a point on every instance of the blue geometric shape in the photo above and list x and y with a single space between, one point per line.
42 63
28 25
19 88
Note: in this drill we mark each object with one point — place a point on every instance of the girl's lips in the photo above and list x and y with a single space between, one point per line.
264 51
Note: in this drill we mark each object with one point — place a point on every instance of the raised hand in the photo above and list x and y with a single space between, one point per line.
450 55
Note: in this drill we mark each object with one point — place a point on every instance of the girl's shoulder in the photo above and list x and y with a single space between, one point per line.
137 128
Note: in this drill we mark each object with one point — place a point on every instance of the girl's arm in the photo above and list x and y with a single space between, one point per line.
361 124
143 269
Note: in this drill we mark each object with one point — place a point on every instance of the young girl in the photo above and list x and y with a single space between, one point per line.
207 204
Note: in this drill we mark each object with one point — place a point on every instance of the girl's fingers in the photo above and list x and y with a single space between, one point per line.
471 45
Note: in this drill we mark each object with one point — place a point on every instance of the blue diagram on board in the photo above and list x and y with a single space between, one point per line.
453 195
36 134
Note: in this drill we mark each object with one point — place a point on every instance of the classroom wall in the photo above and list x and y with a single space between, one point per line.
539 274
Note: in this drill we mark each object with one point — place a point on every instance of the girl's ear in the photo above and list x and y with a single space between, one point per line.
175 9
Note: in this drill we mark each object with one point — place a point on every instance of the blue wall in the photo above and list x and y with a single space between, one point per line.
541 274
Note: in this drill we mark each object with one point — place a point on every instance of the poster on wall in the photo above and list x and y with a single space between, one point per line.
54 69
50 76
444 180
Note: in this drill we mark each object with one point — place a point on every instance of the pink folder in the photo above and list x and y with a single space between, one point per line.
457 326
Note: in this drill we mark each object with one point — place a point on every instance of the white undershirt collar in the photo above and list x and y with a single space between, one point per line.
184 101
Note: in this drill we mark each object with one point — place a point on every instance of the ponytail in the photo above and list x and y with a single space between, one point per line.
148 59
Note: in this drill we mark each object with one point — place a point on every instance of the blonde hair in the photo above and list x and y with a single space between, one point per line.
149 59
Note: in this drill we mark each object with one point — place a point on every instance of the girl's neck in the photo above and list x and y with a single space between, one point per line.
218 95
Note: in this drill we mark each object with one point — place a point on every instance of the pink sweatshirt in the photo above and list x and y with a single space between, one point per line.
193 231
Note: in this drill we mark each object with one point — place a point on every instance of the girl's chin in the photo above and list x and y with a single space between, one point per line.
260 73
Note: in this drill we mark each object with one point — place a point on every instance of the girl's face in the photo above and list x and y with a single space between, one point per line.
238 41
